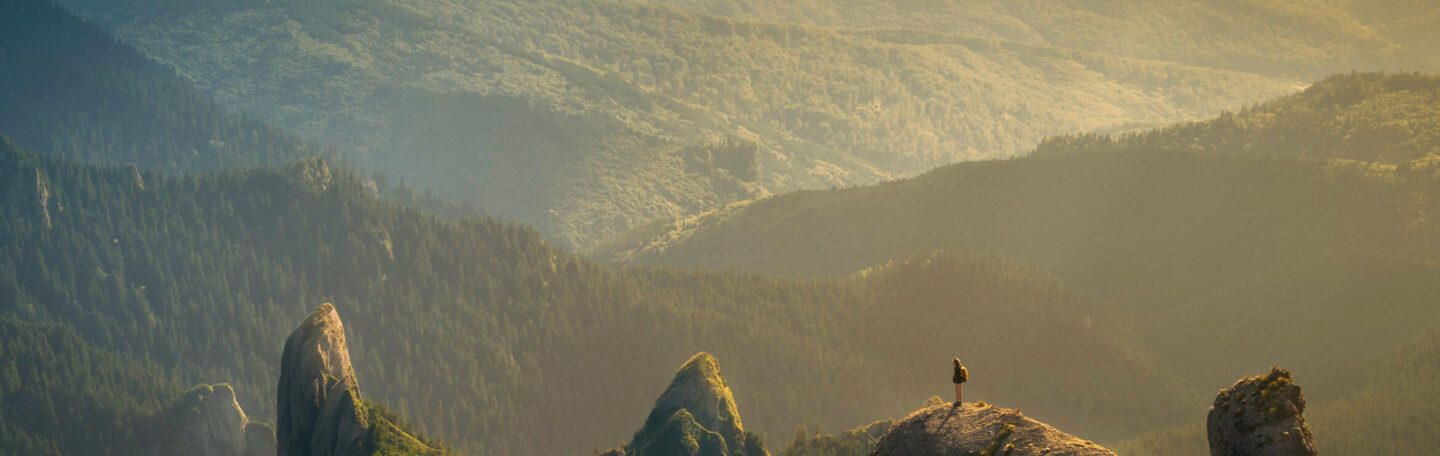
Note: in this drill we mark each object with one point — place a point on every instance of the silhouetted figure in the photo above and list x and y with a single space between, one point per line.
961 375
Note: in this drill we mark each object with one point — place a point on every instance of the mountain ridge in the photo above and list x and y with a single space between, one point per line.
825 108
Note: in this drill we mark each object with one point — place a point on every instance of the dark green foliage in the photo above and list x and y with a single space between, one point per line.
497 343
681 435
71 89
60 394
391 435
855 442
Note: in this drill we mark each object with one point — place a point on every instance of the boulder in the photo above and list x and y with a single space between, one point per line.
1258 416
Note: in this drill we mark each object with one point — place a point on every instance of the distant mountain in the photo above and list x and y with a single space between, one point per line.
68 88
583 118
1290 37
1149 224
486 328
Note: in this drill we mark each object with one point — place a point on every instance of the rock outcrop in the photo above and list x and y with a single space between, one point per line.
43 191
319 408
134 172
1258 416
205 421
972 429
311 173
696 415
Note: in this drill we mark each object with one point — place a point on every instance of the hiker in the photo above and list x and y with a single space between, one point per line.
961 375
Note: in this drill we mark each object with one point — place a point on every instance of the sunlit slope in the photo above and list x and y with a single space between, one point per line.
1389 407
1150 224
480 330
1140 227
616 91
1304 37
1374 117
69 88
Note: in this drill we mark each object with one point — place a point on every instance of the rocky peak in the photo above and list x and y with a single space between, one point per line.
311 173
1260 415
699 388
319 404
696 415
972 429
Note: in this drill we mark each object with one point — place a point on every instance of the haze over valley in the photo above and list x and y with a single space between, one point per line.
546 225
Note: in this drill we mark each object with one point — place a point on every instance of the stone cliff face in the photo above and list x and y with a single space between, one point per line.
696 415
319 406
205 421
1260 415
971 429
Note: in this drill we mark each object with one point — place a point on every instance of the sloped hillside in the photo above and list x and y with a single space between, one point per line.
1149 225
611 94
1295 37
1322 317
1373 117
1388 407
477 329
1106 223
68 88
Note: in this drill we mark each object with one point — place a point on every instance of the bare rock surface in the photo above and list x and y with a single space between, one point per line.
1260 416
319 405
699 389
695 416
972 429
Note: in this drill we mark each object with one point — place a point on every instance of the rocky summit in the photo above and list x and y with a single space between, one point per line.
1260 416
972 429
696 415
319 409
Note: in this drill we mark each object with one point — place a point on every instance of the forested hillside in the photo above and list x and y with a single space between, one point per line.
1108 222
1373 117
607 98
1311 317
479 329
1290 37
68 88
61 394
1298 232
1388 406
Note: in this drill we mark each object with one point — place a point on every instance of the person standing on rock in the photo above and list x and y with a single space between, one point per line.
960 376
